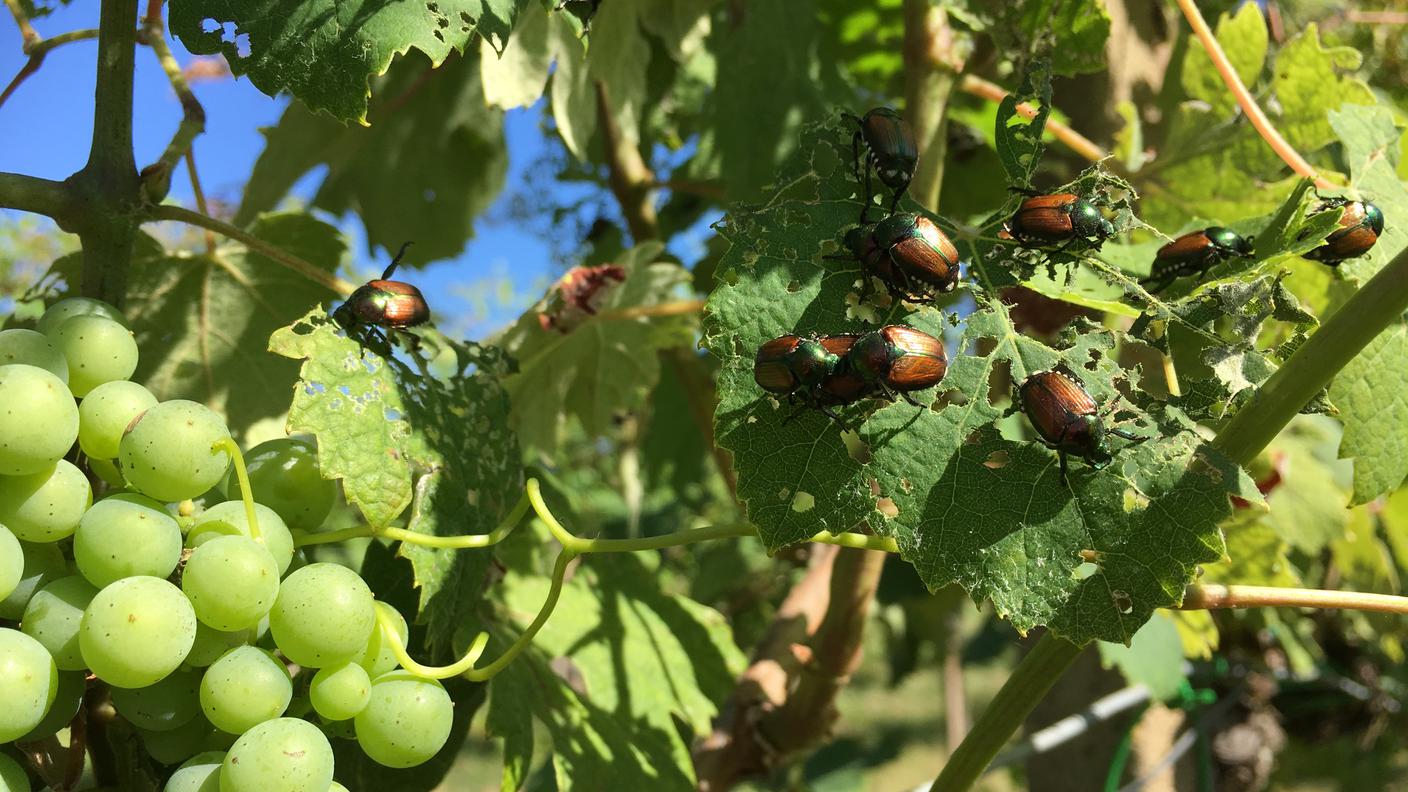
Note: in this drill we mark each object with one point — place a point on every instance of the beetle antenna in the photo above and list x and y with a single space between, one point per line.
1126 435
395 261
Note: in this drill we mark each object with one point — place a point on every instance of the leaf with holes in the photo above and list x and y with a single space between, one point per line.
1091 560
324 51
436 440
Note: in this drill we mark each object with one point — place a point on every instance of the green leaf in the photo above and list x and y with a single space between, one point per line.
603 366
617 57
1307 507
1070 33
593 748
1019 140
516 77
511 722
391 433
1372 394
430 164
325 51
1257 554
1311 79
1244 39
965 503
1371 136
647 658
769 79
1154 658
355 770
200 320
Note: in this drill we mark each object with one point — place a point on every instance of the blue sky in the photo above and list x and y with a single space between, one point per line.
45 128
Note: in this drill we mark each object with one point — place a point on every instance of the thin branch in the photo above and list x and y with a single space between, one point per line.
629 176
1072 139
28 34
37 51
306 269
201 206
932 63
1259 121
1213 596
156 177
33 194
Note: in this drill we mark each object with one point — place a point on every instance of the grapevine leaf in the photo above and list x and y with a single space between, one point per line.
647 658
516 77
593 748
601 367
324 51
757 120
356 770
1375 430
1307 508
965 503
1257 554
1019 140
200 319
511 723
1071 33
1154 658
1310 79
432 161
617 60
396 438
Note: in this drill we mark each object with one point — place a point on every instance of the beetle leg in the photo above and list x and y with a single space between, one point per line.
905 395
1126 435
1065 478
869 190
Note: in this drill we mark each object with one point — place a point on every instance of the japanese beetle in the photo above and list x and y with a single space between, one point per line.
1067 419
1360 227
810 371
1066 218
890 150
384 302
911 255
898 359
1194 253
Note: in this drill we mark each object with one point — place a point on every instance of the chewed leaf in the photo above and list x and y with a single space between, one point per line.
398 437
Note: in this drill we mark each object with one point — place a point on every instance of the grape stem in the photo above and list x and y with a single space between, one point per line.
572 547
232 448
1210 596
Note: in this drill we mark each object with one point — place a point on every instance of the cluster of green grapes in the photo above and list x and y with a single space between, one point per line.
233 657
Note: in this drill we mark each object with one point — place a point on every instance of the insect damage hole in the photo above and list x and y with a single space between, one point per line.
1122 601
997 460
803 502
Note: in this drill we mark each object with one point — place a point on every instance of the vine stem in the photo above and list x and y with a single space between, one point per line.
36 53
1213 596
1375 306
157 176
28 34
572 547
1254 114
307 269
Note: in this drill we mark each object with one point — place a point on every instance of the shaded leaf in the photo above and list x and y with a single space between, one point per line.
1071 33
433 160
1154 658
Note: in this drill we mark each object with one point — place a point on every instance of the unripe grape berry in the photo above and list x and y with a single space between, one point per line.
323 616
68 308
230 519
97 349
45 506
32 348
136 631
28 683
284 475
38 420
286 754
105 414
170 454
11 562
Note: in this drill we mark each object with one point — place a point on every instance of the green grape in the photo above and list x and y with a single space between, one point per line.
45 506
232 582
323 616
284 475
169 451
53 616
11 562
136 631
67 699
378 658
406 721
336 787
106 412
340 730
200 773
42 563
97 349
341 691
108 472
32 349
229 519
285 754
38 420
169 704
28 684
177 745
66 309
13 777
125 535
246 686
210 643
